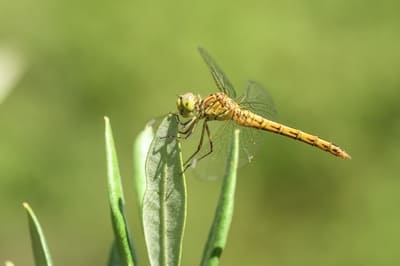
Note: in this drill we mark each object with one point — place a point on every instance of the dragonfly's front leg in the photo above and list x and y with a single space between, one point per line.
187 127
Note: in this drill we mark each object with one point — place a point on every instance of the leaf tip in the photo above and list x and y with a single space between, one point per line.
8 263
26 205
150 123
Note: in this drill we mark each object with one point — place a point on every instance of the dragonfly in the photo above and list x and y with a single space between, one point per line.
225 106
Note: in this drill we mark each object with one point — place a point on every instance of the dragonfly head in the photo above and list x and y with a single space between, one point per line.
186 104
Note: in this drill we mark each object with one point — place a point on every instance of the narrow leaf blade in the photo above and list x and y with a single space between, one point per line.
41 252
122 236
218 234
164 204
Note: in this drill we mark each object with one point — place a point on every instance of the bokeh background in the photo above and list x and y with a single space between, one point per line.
331 66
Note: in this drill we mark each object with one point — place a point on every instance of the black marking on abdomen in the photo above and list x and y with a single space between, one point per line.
313 141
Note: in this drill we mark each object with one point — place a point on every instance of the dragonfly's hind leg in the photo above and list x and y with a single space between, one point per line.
189 160
209 141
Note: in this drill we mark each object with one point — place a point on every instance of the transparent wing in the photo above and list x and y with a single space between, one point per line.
220 78
213 166
257 99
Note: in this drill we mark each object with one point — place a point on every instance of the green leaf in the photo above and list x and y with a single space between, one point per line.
40 250
122 237
140 149
164 204
218 234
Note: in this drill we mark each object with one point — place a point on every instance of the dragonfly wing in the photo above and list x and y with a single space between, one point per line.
213 166
220 78
250 143
257 99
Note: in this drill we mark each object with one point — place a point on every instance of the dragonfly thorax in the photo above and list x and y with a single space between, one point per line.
187 104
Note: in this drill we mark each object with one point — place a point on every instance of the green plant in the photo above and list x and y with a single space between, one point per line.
161 191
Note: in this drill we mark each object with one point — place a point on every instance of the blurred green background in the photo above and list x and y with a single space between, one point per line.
331 66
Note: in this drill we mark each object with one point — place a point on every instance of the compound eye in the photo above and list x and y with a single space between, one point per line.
189 104
179 101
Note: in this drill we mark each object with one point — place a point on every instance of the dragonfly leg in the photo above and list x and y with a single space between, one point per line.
209 141
189 160
185 123
188 128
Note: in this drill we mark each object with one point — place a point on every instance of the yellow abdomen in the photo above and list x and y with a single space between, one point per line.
249 119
